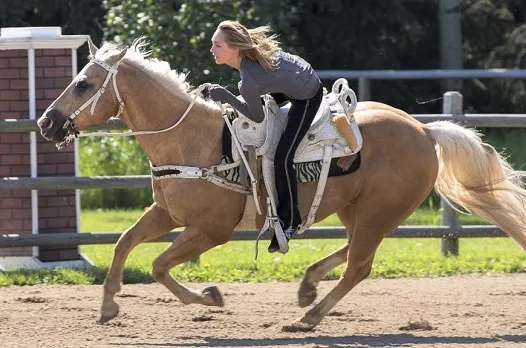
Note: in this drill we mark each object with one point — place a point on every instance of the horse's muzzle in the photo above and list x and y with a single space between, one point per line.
51 125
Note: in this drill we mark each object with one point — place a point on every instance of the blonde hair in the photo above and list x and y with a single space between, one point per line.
256 44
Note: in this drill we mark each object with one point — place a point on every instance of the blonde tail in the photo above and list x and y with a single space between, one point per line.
475 176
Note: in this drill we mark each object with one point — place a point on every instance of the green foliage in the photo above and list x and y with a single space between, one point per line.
107 156
499 45
180 31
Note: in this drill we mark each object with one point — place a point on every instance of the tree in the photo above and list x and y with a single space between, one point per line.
180 31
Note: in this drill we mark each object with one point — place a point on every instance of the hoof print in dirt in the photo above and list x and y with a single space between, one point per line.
32 299
297 327
421 325
203 318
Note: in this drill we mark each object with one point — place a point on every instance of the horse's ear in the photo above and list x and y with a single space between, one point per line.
121 54
92 48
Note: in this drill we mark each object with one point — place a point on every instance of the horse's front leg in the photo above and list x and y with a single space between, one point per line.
187 246
153 223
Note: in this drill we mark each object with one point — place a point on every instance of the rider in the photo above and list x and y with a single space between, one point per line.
265 68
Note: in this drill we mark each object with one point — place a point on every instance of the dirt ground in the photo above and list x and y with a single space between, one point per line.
461 311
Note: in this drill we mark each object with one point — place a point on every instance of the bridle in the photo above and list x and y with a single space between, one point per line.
112 74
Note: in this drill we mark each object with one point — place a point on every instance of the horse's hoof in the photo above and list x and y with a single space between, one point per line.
306 295
212 297
298 326
108 312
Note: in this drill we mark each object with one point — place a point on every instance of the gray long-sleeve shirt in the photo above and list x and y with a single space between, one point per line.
292 76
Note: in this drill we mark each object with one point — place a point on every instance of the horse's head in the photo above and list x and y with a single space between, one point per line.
91 98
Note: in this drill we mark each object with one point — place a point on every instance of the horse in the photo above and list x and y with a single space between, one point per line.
401 161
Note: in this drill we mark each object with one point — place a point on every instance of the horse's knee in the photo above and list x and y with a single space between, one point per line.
159 270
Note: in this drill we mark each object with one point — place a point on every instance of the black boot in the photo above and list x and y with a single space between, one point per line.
274 245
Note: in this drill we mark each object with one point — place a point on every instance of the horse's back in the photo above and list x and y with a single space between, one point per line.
372 105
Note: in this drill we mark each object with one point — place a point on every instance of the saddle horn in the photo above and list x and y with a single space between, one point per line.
349 101
339 85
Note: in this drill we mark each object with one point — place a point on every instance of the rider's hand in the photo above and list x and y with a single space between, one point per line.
217 93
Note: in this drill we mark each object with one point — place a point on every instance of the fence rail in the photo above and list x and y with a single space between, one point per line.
69 239
75 182
472 120
424 74
364 77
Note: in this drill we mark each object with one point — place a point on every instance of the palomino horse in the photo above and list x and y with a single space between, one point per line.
402 160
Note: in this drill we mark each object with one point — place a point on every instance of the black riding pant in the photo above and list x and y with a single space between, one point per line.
300 117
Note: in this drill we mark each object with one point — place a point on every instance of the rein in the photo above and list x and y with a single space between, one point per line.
208 174
112 74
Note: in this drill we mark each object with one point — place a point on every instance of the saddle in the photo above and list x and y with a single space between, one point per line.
333 133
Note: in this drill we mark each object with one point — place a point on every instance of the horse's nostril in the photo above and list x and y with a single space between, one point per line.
44 123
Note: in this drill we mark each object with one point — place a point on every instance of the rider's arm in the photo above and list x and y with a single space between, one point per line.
221 94
251 107
250 92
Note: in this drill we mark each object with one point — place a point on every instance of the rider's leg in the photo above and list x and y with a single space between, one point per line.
300 117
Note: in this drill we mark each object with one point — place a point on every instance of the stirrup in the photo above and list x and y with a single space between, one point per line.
263 230
273 225
267 226
274 243
282 237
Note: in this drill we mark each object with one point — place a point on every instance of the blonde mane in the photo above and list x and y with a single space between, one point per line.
172 80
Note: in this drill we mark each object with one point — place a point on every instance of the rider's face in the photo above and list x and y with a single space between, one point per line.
223 54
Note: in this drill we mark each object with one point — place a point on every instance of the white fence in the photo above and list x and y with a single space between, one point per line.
449 231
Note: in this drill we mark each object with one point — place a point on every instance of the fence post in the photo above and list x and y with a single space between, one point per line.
364 89
452 104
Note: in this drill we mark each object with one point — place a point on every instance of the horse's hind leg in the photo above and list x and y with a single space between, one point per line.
187 246
373 223
153 223
315 272
360 256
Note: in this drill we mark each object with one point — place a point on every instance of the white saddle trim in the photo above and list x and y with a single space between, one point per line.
208 174
253 180
186 172
320 189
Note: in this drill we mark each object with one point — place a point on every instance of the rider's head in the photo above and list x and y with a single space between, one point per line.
232 42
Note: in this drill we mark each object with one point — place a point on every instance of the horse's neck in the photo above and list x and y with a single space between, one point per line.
194 142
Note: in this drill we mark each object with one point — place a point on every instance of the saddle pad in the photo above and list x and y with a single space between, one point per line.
305 172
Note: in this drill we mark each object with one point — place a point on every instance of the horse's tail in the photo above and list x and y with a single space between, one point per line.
475 176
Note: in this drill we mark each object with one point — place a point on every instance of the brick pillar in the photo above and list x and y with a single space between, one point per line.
56 208
15 205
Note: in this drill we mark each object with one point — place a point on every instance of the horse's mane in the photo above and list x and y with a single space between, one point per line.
168 78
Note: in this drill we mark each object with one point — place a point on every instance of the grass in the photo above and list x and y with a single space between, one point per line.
234 261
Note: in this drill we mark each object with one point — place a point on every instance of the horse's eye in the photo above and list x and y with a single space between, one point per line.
81 84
